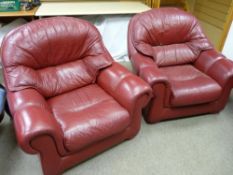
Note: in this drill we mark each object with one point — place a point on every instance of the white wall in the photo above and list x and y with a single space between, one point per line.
228 46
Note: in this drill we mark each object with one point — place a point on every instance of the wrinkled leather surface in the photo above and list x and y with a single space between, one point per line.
69 101
125 87
47 54
189 86
88 115
193 78
170 36
215 65
33 117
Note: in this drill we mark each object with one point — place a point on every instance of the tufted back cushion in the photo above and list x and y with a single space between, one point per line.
53 55
169 35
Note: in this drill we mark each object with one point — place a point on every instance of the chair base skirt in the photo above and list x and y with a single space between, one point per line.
157 111
54 163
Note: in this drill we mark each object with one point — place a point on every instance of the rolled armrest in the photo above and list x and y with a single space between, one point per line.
148 70
140 61
27 97
32 122
32 118
125 87
152 75
215 65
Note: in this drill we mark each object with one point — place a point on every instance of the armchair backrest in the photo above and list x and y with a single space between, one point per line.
169 35
53 55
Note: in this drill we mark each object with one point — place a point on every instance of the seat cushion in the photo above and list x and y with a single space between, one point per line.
88 115
190 86
174 54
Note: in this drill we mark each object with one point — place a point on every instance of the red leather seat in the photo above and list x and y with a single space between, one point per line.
80 131
68 99
188 83
169 51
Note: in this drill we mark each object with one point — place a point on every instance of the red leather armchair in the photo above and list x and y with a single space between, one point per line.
169 51
68 99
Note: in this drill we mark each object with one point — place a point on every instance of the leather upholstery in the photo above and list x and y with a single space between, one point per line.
188 83
68 99
169 47
170 52
44 57
70 111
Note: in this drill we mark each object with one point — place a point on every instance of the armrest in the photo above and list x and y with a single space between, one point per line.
215 65
27 97
148 70
140 61
32 119
152 75
125 87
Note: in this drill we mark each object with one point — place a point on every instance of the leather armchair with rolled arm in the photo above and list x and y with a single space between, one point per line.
170 52
68 99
